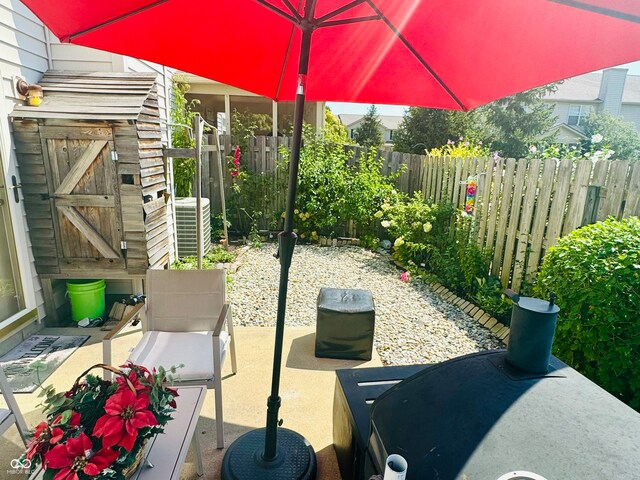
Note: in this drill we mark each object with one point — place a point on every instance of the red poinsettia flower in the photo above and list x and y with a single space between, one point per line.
135 381
74 421
75 456
43 437
126 413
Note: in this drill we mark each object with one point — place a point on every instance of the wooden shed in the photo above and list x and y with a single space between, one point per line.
93 176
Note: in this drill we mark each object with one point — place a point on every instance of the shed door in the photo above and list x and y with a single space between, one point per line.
85 198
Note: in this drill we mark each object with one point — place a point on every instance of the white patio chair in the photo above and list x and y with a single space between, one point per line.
11 415
186 314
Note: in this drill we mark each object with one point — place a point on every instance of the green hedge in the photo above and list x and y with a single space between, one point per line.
595 272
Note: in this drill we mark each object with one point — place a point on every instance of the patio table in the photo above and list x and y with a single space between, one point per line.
167 451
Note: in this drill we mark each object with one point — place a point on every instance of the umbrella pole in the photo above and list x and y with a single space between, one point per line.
286 244
275 452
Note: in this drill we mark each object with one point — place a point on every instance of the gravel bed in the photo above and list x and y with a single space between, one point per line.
413 325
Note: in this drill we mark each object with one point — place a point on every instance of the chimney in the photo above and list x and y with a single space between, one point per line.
611 89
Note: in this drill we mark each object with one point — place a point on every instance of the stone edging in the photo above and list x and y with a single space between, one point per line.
498 329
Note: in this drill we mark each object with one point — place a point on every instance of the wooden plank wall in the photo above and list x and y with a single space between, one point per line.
524 206
35 193
154 183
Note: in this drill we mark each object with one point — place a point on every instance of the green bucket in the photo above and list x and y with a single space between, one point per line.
87 298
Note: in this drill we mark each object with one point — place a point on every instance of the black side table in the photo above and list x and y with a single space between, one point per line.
345 324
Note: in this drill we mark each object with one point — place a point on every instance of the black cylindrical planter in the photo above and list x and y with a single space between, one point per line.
533 324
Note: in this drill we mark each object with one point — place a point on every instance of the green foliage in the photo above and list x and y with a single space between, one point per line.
618 135
322 182
438 239
518 121
595 271
422 129
369 134
182 114
490 298
370 242
461 149
334 130
366 190
216 255
217 226
331 192
411 223
247 124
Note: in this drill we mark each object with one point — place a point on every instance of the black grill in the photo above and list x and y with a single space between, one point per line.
477 418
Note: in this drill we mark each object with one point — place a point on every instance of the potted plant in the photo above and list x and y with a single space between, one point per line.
98 429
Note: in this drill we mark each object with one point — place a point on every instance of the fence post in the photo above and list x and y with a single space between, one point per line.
591 204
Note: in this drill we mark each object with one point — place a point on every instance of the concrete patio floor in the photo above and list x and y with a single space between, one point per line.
307 388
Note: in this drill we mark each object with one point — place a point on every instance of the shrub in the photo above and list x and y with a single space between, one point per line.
331 192
214 256
595 271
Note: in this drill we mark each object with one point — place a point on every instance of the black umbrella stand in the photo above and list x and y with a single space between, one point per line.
275 453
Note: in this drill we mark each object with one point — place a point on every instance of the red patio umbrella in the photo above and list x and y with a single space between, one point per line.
452 54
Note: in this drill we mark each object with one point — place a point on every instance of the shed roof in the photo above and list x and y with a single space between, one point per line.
90 96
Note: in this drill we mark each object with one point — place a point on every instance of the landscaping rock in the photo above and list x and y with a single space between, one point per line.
413 325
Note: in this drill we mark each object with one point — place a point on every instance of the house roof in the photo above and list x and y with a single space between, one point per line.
390 122
91 96
570 129
586 88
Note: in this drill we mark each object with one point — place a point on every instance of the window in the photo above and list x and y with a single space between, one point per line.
577 114
390 134
353 131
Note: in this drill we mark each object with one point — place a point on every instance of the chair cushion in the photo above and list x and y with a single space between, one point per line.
192 349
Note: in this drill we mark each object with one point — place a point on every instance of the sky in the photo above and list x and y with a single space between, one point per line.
361 108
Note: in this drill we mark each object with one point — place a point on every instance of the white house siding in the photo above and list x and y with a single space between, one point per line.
23 51
561 111
631 113
612 89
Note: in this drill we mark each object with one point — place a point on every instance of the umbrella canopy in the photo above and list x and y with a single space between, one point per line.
452 54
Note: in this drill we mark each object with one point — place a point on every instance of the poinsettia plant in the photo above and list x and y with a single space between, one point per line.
98 428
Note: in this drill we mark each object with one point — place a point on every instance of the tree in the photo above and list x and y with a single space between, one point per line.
368 134
334 130
426 128
620 136
516 122
182 114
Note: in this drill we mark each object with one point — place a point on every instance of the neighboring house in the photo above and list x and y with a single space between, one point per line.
217 102
611 90
389 125
27 50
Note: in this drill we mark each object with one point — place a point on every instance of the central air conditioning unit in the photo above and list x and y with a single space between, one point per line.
186 226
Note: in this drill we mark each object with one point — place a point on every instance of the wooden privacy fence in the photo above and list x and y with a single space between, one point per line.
522 206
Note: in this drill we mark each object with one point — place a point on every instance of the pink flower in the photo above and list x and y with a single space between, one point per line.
234 173
405 277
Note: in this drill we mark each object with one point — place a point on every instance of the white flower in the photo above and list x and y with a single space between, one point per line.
597 138
533 149
385 223
399 241
427 227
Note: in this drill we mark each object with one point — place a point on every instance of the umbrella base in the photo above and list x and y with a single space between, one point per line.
295 458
